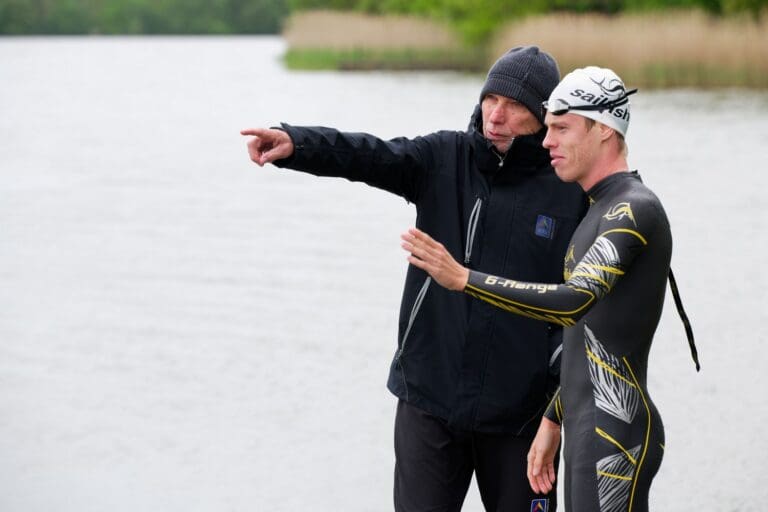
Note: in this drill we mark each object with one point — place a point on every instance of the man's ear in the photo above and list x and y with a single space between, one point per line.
605 131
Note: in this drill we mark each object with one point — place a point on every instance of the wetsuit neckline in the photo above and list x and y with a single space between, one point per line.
601 188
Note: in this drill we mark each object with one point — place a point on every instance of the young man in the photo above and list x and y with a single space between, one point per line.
616 269
472 381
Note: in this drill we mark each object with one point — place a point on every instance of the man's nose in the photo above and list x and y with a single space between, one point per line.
548 142
497 114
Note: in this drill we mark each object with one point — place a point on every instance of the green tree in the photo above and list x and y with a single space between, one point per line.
142 16
17 17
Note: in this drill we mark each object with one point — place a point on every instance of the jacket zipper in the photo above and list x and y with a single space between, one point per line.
474 217
414 311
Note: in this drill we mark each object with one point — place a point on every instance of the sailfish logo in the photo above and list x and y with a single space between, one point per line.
614 87
540 505
619 211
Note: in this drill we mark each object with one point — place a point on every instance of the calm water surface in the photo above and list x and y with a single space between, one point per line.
181 330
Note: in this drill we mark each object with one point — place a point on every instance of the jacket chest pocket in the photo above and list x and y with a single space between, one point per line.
539 225
538 240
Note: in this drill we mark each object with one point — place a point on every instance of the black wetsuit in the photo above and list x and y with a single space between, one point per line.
615 279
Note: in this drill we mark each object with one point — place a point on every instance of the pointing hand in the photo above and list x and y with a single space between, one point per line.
268 145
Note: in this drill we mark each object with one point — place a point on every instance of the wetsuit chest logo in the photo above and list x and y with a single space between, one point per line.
545 226
619 211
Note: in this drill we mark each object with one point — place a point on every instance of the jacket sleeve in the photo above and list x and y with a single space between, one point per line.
398 165
607 259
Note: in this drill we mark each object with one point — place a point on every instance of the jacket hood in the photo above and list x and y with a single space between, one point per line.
526 153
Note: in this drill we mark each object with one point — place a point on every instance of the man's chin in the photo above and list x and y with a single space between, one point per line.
564 176
502 146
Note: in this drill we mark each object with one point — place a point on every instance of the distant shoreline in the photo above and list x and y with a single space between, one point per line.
669 49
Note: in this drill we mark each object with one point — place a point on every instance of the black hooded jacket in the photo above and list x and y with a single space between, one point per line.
474 365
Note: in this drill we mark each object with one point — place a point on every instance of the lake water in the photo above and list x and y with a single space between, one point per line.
181 330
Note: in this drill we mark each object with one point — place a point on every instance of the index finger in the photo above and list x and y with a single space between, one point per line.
422 236
256 132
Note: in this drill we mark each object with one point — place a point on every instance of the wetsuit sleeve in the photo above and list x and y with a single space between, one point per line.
554 411
555 352
607 259
398 165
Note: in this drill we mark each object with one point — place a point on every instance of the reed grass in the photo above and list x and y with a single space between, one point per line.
670 49
666 49
369 59
348 30
354 41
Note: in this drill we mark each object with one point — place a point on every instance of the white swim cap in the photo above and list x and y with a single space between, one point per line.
593 92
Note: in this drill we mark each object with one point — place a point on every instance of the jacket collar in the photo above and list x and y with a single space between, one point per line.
526 154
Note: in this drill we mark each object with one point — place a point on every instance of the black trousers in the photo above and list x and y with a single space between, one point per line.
434 466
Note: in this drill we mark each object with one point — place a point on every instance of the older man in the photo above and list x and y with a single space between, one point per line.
616 270
472 381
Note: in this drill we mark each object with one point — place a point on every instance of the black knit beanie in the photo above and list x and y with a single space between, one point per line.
525 74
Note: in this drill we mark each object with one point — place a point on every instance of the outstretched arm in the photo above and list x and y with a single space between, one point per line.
553 303
399 165
594 276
